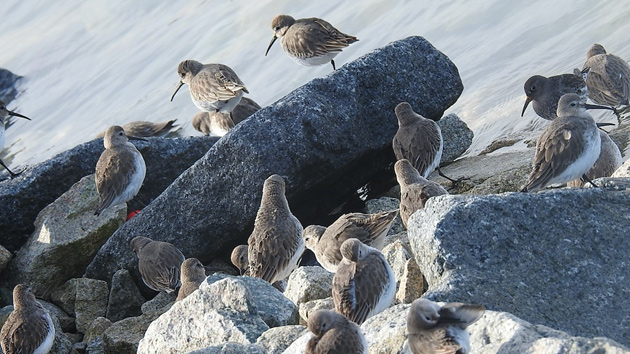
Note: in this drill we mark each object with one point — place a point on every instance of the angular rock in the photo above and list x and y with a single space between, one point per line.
623 171
84 298
306 308
123 336
217 313
96 329
125 299
41 184
297 347
96 346
66 238
5 257
309 283
66 323
276 340
531 255
161 302
409 280
230 348
341 130
457 138
387 332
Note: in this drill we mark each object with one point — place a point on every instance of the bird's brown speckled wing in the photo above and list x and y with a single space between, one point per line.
419 143
114 170
25 331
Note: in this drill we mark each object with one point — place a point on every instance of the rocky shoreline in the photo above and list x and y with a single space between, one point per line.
554 259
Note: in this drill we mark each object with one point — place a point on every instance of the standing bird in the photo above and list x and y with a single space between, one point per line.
325 242
219 123
309 41
29 328
545 92
213 87
415 190
192 275
607 163
432 328
145 129
159 263
364 284
334 333
569 146
607 77
276 245
240 260
4 114
119 171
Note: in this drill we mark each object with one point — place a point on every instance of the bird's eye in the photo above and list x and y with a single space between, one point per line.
427 318
277 28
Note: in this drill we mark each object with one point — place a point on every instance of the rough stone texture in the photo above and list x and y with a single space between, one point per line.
97 346
123 336
309 283
273 307
162 300
125 299
306 308
622 171
41 184
230 348
374 206
217 313
8 85
5 257
65 321
66 238
96 329
341 131
551 257
84 298
457 138
409 281
276 340
386 332
297 347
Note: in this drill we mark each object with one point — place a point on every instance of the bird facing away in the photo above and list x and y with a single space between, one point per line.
145 129
4 114
309 41
364 284
432 328
276 245
607 163
415 190
29 328
159 263
239 258
213 87
607 77
219 123
334 333
192 275
568 147
325 242
119 171
545 92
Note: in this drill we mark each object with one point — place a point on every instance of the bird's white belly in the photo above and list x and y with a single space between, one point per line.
315 61
584 162
47 344
387 295
135 182
293 262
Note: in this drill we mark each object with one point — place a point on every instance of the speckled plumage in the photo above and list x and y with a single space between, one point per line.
545 92
145 129
333 333
607 77
192 275
219 123
159 263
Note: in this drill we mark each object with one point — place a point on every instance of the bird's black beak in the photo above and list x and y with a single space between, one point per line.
599 125
271 43
596 106
527 101
181 83
18 115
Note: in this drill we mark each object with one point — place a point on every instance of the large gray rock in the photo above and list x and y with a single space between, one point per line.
231 348
623 170
22 198
5 257
409 280
125 299
341 131
276 340
457 138
309 283
84 298
551 257
123 336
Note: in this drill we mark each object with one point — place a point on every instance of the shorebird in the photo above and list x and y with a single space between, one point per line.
4 114
309 41
192 275
213 87
334 333
607 77
415 190
239 258
569 146
545 92
432 328
276 245
29 328
364 284
145 129
159 263
119 171
219 123
325 242
607 163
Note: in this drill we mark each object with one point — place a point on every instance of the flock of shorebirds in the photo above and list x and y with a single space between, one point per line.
571 148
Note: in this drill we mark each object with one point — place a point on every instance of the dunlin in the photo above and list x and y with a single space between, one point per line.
545 92
432 328
239 258
159 263
607 77
219 123
334 333
145 129
607 163
364 284
213 87
192 275
569 146
4 114
325 242
29 328
119 171
309 41
276 244
415 190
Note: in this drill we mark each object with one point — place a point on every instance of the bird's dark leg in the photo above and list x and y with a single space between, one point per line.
588 180
13 175
454 182
333 64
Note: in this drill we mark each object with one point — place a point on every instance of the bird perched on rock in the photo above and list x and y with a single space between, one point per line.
276 245
159 263
29 328
309 41
145 129
607 77
119 171
239 258
545 92
607 163
219 123
334 333
432 328
4 114
325 242
569 146
364 284
192 275
415 190
213 87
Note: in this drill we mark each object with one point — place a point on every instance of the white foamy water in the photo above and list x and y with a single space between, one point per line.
91 64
